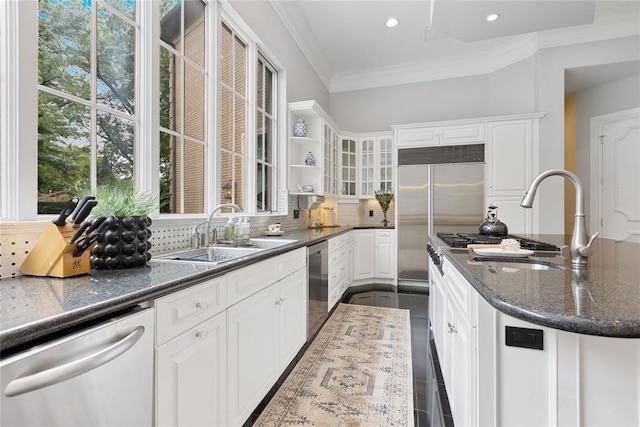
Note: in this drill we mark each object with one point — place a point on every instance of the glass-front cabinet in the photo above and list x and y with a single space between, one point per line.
349 166
331 160
324 161
376 164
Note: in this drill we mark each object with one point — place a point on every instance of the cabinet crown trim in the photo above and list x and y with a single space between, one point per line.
471 120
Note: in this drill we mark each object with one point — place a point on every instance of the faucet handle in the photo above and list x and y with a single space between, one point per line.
586 249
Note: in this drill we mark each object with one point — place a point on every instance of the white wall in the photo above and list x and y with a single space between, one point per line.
302 81
596 101
551 65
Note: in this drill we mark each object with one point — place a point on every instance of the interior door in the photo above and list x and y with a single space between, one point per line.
619 192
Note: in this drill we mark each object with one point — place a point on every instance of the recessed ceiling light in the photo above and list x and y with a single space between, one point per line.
492 17
392 22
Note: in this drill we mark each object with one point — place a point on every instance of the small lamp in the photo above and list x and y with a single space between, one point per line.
226 190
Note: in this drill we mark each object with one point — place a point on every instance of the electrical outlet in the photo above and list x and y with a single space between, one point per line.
371 213
296 214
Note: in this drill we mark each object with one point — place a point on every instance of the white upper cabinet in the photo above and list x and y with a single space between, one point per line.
306 148
511 158
348 166
422 135
376 164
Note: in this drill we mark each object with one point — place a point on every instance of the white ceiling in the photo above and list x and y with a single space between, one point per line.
350 48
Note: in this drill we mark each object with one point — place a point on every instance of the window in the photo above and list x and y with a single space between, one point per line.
123 93
233 115
86 96
249 126
183 143
266 144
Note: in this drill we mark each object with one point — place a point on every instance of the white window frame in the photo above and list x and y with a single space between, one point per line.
255 45
19 102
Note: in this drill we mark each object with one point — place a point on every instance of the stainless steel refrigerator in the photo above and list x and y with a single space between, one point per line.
433 198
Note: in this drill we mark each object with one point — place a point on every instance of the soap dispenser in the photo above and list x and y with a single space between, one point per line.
229 230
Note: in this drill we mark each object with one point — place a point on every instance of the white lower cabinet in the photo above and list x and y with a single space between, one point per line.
191 377
561 378
385 252
191 351
363 261
374 256
264 332
459 367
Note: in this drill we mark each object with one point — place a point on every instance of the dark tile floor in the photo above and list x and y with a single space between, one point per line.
416 301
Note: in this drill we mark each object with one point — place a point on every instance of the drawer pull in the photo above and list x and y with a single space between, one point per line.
202 334
202 305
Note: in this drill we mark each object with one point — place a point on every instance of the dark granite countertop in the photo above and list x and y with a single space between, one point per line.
33 309
604 300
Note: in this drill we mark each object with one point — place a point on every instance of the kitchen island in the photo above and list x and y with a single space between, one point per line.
532 342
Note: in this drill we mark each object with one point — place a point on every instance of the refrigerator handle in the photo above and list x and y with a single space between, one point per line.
72 369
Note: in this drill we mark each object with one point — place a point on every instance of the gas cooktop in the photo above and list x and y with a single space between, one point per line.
461 240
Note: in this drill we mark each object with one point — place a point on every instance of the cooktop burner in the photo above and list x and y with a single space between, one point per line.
461 240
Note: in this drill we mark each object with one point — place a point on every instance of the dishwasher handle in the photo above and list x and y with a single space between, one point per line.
72 369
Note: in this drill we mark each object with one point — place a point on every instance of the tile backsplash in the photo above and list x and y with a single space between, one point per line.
17 239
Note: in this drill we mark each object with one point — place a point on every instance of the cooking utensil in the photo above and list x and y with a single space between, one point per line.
508 245
80 231
84 200
69 207
85 242
492 226
96 223
84 212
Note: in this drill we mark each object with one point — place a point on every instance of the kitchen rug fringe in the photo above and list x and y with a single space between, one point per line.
356 372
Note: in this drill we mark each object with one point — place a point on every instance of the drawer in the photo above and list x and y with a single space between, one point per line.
340 241
458 287
384 234
336 256
182 310
253 278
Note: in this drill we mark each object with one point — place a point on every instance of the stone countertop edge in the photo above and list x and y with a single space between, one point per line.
34 309
564 321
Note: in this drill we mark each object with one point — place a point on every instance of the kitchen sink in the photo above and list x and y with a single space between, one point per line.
512 265
220 253
268 243
210 254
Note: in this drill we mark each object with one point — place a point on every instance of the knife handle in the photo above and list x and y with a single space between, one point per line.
79 231
71 205
78 208
84 212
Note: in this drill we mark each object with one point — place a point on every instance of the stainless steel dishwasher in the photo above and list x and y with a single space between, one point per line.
318 280
99 376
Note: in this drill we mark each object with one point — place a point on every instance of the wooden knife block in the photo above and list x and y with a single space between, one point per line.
53 255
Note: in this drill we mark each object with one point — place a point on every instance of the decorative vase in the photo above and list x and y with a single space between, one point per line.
300 128
385 201
310 160
123 243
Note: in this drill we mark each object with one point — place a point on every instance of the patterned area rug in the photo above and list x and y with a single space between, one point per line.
356 372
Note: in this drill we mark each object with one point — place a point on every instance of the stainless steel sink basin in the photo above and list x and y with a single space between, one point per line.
269 243
221 253
210 254
512 265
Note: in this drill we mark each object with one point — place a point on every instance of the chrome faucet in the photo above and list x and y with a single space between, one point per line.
207 225
580 246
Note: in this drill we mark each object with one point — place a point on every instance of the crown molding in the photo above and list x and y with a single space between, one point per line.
296 24
515 49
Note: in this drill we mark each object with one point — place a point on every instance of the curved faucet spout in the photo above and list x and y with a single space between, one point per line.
207 226
580 246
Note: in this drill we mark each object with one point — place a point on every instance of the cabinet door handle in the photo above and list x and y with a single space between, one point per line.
202 305
202 334
451 328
